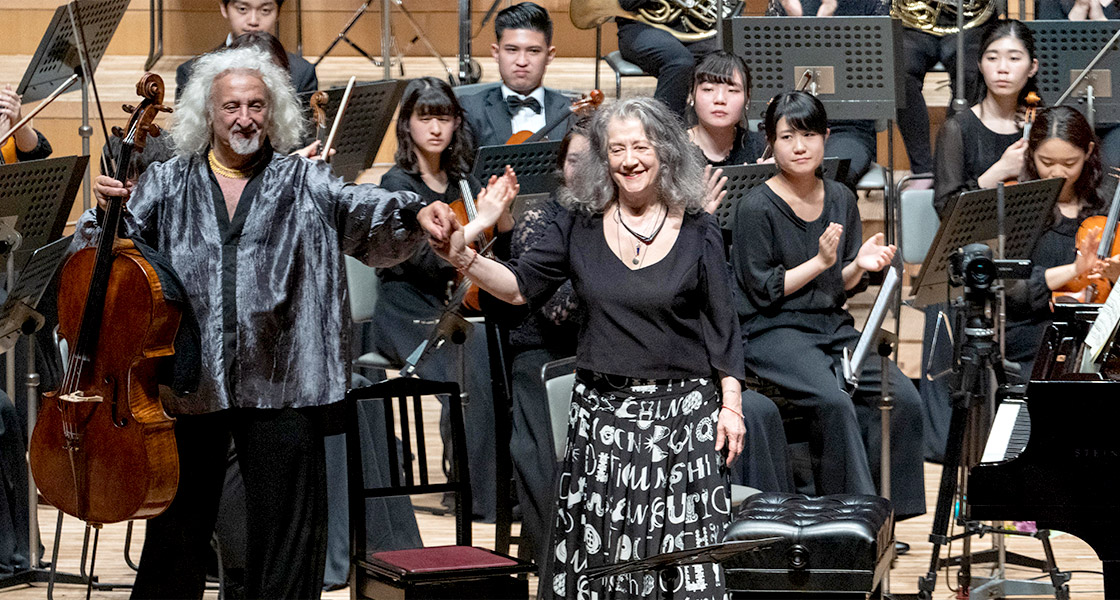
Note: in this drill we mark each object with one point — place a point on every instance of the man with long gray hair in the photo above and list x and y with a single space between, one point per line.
257 237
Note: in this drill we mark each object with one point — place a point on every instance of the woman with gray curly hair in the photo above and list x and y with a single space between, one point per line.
656 412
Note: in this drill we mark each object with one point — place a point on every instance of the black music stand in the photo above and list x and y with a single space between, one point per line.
17 314
35 198
665 565
363 125
68 49
1064 49
974 219
535 165
741 179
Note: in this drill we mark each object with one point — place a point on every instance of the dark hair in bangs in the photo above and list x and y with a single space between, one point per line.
801 110
426 96
526 15
1068 124
997 30
264 40
720 67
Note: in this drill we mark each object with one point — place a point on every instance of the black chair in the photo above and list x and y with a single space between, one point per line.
459 571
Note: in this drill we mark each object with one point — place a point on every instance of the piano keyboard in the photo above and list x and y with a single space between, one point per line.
1011 430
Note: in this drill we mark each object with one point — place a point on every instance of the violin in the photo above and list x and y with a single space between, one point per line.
103 449
1083 289
318 103
587 103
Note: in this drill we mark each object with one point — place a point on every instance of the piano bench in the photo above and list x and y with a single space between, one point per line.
838 546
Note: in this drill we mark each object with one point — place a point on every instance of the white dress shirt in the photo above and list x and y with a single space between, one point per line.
526 119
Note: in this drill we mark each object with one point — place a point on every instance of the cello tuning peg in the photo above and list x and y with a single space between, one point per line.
165 109
154 130
128 108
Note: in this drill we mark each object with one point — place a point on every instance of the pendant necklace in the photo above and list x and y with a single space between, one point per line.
642 239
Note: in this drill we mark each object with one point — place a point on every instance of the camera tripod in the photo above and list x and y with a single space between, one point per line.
979 361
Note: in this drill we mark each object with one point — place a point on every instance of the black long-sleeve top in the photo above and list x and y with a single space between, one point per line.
965 150
1028 301
424 270
747 149
672 319
768 239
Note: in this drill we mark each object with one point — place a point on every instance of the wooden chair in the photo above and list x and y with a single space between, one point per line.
458 571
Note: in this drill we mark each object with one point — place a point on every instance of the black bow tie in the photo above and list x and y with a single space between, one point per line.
515 104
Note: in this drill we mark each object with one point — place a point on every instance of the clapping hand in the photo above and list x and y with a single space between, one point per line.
713 189
874 255
829 242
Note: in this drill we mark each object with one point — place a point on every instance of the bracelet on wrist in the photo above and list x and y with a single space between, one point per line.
733 411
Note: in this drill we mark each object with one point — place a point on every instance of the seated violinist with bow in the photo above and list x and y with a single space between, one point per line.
257 237
523 49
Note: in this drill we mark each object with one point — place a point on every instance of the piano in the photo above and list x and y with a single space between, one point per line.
1065 476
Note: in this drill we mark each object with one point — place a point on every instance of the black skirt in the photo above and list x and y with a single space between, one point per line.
641 476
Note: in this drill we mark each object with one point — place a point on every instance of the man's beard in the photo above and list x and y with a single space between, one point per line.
242 145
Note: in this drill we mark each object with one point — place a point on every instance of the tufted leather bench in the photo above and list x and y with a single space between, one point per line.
836 546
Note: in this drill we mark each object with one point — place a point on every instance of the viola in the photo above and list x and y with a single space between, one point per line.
1094 290
103 449
587 103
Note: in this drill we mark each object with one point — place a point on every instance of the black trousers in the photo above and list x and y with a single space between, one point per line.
921 51
855 141
535 466
281 457
764 464
665 57
845 435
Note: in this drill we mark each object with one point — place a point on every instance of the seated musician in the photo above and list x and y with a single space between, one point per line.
25 144
523 49
976 149
434 153
1061 144
721 93
851 139
267 366
661 54
797 254
245 16
1088 10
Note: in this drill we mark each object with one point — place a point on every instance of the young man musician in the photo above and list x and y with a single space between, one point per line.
245 16
523 49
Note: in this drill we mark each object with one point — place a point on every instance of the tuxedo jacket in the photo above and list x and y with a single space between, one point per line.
303 75
490 119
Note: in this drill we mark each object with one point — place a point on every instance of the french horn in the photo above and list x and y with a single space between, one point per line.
940 18
686 20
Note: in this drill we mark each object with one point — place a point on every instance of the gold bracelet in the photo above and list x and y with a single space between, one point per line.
467 267
724 406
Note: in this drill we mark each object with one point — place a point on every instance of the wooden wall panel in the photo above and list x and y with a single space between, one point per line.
194 26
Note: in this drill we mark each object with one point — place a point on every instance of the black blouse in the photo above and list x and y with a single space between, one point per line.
424 270
1028 301
966 148
768 239
748 148
672 319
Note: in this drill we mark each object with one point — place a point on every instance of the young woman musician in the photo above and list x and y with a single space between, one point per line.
797 253
435 147
984 145
1061 144
977 148
657 356
721 92
25 144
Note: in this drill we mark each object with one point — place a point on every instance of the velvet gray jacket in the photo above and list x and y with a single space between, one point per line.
285 340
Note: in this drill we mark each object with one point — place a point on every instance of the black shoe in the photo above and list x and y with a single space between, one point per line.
901 548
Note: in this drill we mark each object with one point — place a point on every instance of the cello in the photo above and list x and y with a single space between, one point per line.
103 449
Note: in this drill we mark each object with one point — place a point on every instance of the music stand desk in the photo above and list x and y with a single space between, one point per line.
363 126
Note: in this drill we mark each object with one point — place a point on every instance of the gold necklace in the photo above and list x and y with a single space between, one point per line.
227 172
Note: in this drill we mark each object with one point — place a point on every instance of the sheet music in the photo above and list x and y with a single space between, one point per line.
1101 333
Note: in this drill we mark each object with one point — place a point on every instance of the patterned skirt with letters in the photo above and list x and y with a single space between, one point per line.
641 477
